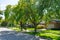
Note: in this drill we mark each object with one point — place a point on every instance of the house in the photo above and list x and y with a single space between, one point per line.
54 24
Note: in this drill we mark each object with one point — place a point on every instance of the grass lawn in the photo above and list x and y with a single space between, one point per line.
18 29
52 34
15 28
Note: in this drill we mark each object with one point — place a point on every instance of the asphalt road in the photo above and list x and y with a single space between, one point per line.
8 34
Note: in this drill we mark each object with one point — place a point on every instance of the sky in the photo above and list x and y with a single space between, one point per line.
4 3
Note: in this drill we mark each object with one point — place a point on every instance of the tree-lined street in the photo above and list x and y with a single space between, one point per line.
29 15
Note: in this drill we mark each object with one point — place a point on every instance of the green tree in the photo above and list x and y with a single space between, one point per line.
1 13
7 12
8 15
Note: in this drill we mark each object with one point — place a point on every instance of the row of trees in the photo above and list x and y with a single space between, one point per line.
32 11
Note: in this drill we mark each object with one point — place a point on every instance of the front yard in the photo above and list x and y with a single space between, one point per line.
47 34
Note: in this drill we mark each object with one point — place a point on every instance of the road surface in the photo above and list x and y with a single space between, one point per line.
8 34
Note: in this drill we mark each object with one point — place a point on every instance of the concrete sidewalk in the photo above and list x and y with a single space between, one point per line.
5 29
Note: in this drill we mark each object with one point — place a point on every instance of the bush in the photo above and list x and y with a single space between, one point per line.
4 23
40 26
11 24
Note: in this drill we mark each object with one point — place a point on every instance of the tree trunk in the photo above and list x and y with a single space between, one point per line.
21 26
35 27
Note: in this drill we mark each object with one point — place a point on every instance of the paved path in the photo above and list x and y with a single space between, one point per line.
8 34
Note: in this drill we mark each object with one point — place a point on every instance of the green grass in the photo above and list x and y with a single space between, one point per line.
18 29
53 34
30 28
15 28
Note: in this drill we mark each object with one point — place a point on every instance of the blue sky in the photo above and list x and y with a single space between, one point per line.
4 3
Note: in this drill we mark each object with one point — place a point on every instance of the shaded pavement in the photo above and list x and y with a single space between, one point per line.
8 34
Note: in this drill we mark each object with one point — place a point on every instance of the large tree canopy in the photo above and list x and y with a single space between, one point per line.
33 11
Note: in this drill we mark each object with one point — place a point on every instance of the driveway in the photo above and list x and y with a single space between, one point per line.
8 34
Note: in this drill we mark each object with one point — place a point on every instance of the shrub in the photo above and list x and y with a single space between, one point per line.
4 23
40 26
11 24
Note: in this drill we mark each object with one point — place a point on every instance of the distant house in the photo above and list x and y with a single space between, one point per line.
54 24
